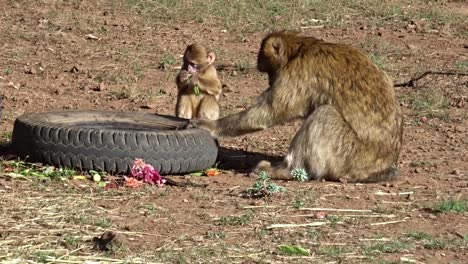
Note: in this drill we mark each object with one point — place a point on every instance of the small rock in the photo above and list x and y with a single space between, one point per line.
12 84
460 129
418 170
198 238
100 87
226 89
151 104
456 172
432 216
110 241
74 69
412 47
257 202
234 73
343 180
28 70
423 119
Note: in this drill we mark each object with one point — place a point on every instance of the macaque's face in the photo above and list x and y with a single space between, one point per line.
197 58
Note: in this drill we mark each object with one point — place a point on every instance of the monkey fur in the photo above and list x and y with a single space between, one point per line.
353 128
198 72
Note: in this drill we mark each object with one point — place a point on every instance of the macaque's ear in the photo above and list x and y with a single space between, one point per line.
211 57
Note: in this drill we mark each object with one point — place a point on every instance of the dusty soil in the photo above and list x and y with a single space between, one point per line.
59 55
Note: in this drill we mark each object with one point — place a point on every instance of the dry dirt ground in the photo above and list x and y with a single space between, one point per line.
122 55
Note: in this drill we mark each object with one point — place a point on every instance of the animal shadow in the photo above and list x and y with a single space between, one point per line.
242 161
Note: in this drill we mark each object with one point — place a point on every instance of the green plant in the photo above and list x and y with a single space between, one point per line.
378 60
387 247
462 64
7 135
300 175
263 186
298 203
453 205
71 241
150 209
217 235
334 220
332 251
167 61
236 220
418 235
8 71
291 250
434 244
25 169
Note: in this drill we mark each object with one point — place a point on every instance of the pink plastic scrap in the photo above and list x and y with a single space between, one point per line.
146 173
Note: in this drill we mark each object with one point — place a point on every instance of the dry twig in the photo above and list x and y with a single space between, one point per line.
336 210
389 222
412 81
295 225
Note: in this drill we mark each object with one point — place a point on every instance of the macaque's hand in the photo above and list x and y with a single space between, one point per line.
184 75
206 124
194 79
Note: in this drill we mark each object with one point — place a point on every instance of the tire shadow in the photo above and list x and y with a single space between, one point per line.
6 152
241 161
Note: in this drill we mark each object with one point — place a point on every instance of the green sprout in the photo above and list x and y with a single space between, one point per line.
264 187
300 175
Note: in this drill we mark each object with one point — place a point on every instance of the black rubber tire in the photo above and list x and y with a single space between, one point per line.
110 141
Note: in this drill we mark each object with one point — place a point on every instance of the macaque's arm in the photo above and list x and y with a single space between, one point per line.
209 81
271 109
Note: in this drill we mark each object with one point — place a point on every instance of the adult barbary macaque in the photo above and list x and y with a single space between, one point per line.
199 87
352 128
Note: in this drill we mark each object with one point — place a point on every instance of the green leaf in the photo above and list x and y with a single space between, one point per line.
101 184
198 173
196 89
294 250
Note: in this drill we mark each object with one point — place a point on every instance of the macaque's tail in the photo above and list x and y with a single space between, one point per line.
279 172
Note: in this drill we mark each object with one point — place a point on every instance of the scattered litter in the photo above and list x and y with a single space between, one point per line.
145 173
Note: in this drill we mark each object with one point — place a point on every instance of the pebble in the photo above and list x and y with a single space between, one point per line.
460 129
198 238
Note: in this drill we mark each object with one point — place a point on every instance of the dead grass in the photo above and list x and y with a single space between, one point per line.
252 16
70 216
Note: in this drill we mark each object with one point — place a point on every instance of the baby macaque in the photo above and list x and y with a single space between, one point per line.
199 87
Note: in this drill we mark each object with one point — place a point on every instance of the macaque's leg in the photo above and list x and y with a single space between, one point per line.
209 108
321 147
184 108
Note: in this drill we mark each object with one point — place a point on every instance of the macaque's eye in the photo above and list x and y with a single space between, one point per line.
193 65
